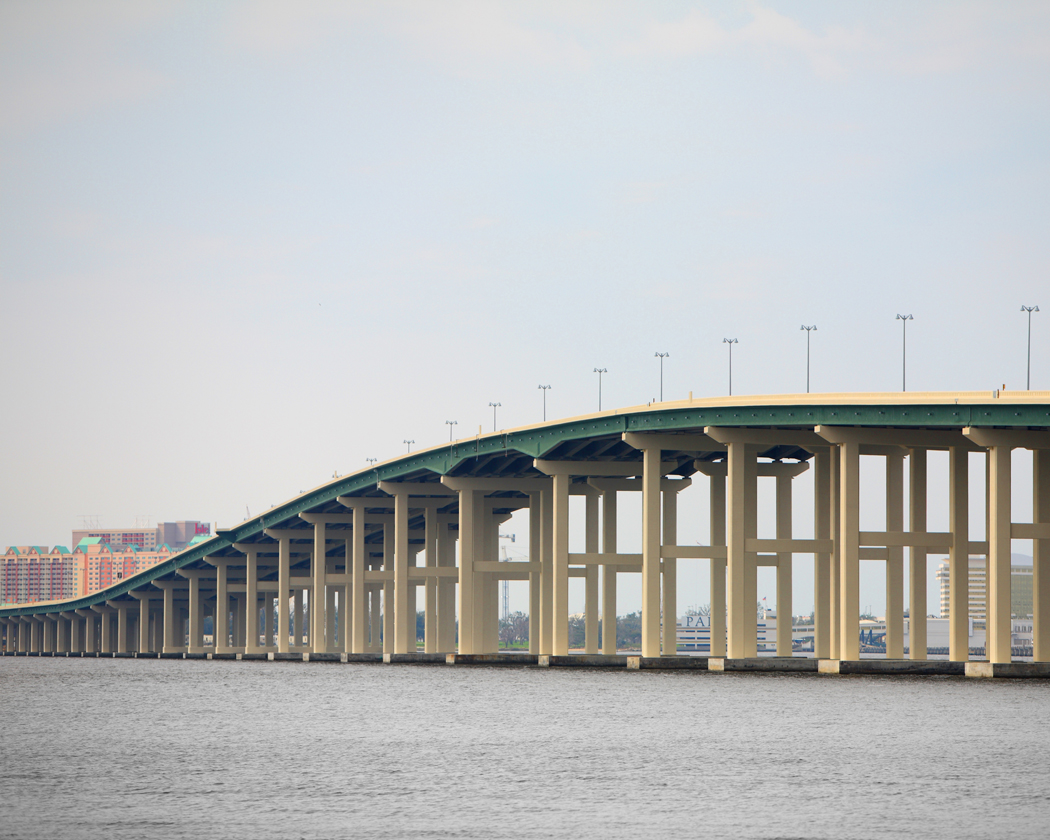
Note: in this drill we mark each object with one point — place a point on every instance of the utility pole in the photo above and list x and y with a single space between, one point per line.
600 371
545 389
661 357
730 342
904 349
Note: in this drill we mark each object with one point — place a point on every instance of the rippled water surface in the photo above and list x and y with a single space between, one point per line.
165 748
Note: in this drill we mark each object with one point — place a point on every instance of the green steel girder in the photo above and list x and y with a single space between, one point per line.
537 441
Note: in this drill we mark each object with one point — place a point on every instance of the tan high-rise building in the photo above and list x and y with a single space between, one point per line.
1020 589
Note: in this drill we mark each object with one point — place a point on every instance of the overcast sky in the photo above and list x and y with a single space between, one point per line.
246 245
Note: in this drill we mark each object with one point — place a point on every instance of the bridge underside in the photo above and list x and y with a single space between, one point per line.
336 569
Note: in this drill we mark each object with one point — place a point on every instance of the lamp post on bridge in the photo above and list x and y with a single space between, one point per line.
661 357
409 443
370 461
494 405
600 371
730 342
450 424
808 331
904 349
1029 310
545 389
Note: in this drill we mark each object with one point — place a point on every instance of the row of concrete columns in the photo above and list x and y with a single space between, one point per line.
380 579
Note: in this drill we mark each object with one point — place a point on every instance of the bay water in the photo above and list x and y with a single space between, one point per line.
123 748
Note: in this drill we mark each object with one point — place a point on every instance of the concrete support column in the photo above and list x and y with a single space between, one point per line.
90 643
331 630
430 592
358 612
608 574
560 493
998 580
61 634
592 580
47 630
959 555
895 557
834 581
377 624
717 617
196 616
122 629
535 557
284 581
483 600
319 595
546 572
347 612
490 585
251 602
170 616
669 621
742 624
849 550
785 610
76 638
389 608
404 622
297 616
446 590
822 592
144 646
106 620
467 538
651 551
1041 557
221 624
917 556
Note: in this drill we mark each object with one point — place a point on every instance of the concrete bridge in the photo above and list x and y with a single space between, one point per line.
354 544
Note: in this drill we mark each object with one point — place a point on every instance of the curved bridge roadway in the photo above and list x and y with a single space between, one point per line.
355 542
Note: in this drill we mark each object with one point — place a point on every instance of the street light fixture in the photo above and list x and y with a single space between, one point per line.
545 389
808 331
371 460
494 405
661 357
409 443
730 342
450 424
600 371
1029 310
904 349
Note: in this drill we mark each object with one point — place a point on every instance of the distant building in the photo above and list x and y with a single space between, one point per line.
31 573
103 565
1020 588
177 535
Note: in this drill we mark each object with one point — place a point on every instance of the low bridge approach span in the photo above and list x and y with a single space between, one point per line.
355 543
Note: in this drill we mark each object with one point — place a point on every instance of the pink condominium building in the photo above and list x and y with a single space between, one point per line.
101 558
33 573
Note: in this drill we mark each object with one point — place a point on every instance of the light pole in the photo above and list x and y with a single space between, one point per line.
1029 310
808 331
494 405
600 371
371 460
409 443
661 357
545 389
730 342
450 424
904 349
